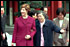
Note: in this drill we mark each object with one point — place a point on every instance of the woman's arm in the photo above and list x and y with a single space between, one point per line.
14 32
33 29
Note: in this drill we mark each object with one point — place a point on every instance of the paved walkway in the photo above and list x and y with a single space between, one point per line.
9 39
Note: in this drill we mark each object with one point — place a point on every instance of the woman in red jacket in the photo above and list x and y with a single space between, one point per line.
24 28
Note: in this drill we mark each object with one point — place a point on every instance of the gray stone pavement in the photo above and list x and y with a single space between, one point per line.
9 32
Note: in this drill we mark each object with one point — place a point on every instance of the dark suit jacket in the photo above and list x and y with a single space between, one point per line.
48 29
3 22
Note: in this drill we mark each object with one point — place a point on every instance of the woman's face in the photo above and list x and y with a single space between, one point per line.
61 16
40 17
23 11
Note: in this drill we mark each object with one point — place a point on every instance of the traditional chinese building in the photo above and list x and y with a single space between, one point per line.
12 7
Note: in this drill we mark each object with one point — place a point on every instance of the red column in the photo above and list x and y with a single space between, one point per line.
49 10
55 8
59 4
15 9
52 10
1 3
10 4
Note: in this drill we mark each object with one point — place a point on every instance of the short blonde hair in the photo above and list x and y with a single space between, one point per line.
26 6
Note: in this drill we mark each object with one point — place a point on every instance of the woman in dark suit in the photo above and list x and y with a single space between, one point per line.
24 28
45 28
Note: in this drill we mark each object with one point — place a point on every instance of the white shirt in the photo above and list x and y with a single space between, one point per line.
42 38
25 17
41 24
60 22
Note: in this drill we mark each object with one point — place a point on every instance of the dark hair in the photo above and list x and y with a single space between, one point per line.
61 10
42 14
2 7
32 12
42 8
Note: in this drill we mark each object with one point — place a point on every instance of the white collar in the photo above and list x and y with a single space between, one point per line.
25 17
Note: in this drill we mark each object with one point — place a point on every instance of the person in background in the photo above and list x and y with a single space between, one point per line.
45 9
45 28
22 34
63 23
3 22
33 13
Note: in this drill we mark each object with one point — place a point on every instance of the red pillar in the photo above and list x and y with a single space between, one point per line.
1 3
49 10
52 10
55 8
10 4
15 9
59 4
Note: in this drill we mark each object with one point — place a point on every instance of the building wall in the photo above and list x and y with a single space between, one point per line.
52 7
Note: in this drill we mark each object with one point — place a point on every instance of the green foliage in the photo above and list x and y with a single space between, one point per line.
17 13
32 9
33 4
36 4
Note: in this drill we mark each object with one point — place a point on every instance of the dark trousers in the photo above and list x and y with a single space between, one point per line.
4 42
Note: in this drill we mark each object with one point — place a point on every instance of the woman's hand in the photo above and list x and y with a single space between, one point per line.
12 44
27 37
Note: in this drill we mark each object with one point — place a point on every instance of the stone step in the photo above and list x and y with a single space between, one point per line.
9 29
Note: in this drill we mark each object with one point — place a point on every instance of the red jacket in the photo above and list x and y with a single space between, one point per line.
22 28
